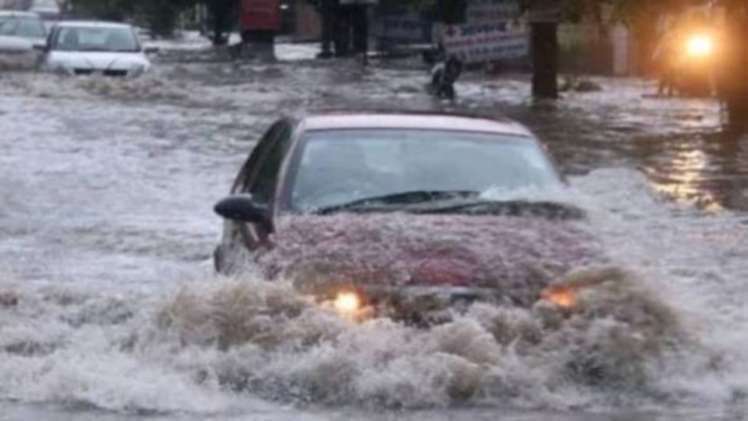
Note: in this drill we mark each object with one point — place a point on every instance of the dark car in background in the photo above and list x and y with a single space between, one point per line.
392 211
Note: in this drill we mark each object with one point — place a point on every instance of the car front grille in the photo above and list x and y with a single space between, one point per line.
115 73
108 73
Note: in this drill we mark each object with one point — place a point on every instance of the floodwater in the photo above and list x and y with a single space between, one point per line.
108 302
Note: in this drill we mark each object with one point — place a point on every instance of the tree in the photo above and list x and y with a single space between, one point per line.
160 16
113 10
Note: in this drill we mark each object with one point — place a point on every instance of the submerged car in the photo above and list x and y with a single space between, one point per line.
95 48
403 211
21 32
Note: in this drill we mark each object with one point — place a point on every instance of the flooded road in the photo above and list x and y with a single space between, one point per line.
106 235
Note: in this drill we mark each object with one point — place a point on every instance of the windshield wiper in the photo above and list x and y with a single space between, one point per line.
541 209
398 201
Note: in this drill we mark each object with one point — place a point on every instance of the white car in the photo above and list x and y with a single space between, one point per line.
20 32
95 48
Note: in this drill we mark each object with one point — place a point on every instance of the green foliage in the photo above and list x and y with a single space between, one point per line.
160 16
115 10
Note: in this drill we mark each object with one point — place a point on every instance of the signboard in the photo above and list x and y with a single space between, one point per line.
485 42
489 33
484 11
261 15
405 28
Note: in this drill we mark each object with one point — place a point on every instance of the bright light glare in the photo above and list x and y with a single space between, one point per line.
347 303
700 45
560 296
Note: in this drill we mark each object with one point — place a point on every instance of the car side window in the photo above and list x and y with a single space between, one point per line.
8 27
251 166
266 180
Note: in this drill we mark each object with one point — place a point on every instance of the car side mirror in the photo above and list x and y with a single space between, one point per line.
151 50
40 47
243 208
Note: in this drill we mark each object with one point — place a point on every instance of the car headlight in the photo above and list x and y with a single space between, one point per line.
700 45
347 303
562 296
138 70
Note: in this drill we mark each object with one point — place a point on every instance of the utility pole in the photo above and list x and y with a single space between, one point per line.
544 17
734 84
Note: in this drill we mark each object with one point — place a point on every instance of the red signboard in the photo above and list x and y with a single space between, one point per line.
261 15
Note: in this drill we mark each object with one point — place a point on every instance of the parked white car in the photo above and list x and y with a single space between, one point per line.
88 48
21 31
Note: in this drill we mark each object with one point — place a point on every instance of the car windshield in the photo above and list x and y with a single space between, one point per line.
22 27
110 39
344 166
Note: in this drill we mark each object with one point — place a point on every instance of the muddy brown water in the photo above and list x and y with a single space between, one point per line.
107 189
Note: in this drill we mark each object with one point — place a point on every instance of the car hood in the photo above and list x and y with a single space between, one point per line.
518 255
97 60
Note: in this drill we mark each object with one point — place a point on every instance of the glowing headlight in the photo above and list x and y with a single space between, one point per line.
347 303
63 71
700 45
561 296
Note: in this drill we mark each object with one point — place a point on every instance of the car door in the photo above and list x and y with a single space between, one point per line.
259 177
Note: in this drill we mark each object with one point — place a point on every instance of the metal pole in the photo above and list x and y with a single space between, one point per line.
365 30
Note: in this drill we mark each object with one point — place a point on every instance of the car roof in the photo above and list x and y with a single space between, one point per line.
412 120
17 14
91 24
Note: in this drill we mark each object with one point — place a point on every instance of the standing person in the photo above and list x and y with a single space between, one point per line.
343 23
327 10
360 23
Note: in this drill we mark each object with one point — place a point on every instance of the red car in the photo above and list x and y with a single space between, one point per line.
403 212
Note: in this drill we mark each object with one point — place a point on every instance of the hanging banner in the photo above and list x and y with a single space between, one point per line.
403 28
261 15
485 42
491 33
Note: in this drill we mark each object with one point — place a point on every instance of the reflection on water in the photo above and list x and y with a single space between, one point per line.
680 144
709 170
